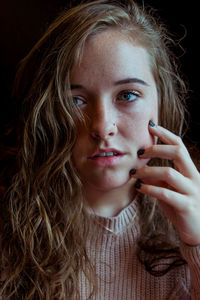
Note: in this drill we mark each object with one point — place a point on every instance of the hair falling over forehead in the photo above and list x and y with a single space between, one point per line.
43 237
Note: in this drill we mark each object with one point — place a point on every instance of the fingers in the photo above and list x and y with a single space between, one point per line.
164 176
172 198
174 150
166 136
177 190
159 181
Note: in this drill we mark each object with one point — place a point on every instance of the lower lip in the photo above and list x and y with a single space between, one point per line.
106 161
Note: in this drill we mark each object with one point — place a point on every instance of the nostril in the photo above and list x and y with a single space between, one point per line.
103 130
111 133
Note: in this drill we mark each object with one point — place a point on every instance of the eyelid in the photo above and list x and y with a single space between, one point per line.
80 98
135 92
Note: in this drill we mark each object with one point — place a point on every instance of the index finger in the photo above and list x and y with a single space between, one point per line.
181 157
166 136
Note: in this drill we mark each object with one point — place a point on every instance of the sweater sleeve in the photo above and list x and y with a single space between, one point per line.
192 256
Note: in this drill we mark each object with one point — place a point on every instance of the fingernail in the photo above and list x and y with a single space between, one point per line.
138 184
152 124
132 171
141 151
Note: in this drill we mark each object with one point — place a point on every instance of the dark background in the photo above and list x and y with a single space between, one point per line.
22 22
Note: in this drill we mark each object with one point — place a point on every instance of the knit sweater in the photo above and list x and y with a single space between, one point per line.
121 276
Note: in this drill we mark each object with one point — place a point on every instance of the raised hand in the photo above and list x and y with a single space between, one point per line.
177 189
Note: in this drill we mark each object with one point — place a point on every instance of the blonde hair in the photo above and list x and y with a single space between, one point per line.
43 237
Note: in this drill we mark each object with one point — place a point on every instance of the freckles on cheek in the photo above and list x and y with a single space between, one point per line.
144 137
146 140
142 121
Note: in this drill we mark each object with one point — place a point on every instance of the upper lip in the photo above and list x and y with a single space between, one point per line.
106 150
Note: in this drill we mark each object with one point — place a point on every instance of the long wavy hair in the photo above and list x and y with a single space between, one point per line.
43 240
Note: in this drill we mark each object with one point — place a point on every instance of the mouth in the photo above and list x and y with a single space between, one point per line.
105 153
106 157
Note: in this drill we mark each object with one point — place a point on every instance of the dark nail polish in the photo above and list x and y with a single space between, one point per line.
141 151
152 124
138 184
132 171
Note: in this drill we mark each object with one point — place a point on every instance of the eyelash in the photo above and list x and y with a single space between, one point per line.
128 92
76 99
134 93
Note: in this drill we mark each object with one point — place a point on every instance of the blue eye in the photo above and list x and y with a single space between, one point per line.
78 101
128 96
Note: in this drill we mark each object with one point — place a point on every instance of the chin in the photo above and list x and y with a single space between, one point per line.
106 183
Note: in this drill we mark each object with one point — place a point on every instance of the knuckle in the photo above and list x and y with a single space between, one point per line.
164 195
169 173
179 140
178 152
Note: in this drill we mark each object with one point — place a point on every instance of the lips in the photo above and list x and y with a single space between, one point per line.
109 152
108 157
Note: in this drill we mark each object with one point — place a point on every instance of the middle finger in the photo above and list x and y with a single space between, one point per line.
168 175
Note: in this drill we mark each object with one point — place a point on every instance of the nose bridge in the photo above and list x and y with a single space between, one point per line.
102 121
102 112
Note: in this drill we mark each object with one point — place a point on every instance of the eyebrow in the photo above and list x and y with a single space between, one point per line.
123 81
76 86
131 80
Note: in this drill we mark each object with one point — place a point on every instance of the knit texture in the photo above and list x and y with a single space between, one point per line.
119 273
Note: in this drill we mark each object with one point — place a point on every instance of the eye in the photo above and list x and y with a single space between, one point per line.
128 96
78 101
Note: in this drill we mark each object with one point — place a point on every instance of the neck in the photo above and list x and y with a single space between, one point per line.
109 203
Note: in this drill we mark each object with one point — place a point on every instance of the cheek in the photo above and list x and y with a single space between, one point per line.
147 139
143 137
138 125
140 135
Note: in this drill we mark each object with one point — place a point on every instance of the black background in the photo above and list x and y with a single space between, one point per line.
24 21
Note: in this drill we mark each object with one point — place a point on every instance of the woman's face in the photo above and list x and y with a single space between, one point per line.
114 88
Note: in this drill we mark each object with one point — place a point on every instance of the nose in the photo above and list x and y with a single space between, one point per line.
103 123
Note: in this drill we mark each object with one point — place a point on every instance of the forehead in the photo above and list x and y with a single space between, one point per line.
112 54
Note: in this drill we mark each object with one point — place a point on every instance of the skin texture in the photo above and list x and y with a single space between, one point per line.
116 114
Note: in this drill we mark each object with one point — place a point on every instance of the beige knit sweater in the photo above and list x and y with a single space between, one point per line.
122 277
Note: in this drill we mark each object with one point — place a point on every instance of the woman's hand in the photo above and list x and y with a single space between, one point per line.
178 189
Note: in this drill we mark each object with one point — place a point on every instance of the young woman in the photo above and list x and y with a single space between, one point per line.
104 199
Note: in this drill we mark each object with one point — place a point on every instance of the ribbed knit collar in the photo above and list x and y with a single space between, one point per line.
119 223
